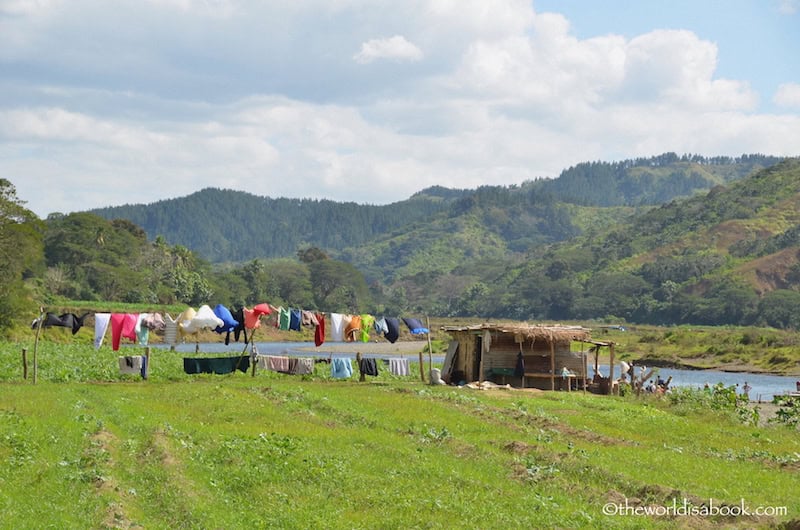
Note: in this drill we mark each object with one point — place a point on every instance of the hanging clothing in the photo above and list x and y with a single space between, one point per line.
72 321
238 329
262 309
393 327
398 366
48 320
101 321
170 330
319 331
380 326
141 331
284 317
122 325
367 321
154 322
278 363
341 368
203 319
415 326
228 322
252 318
368 367
308 318
303 366
215 365
294 319
65 320
129 326
185 320
337 327
352 330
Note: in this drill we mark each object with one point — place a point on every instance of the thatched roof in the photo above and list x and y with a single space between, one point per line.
553 333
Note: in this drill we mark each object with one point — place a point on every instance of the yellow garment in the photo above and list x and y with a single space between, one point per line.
185 319
367 321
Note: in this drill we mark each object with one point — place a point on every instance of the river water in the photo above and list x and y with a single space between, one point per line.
764 386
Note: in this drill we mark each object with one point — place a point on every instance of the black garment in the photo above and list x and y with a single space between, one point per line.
393 327
368 367
215 365
66 320
49 319
238 316
73 321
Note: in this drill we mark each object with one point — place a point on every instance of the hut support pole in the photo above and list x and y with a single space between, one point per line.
552 365
583 366
611 369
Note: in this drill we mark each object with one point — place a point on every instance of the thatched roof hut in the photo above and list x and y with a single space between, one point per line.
522 355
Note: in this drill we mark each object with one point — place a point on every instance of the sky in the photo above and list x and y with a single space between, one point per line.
135 101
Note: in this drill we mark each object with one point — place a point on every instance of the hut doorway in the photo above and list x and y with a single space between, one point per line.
476 359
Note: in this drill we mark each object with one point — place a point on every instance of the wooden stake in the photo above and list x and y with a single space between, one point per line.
430 347
361 376
552 365
611 369
36 345
24 363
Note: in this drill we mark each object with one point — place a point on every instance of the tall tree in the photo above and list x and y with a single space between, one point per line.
21 253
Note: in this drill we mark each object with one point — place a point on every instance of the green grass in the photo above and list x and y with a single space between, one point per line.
87 448
90 448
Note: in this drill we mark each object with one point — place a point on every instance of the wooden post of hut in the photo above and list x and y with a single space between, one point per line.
552 364
583 366
611 368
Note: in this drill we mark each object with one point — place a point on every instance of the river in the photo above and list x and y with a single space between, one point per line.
764 386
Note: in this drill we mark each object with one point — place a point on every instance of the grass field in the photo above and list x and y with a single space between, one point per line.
88 448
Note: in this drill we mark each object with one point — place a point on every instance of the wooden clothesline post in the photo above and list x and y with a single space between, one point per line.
36 345
25 363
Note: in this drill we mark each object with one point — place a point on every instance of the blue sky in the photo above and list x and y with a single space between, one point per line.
758 40
134 101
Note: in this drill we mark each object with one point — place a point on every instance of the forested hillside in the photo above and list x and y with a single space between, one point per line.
234 226
728 255
649 181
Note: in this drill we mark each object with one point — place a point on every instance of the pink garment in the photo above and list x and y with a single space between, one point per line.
262 309
252 318
123 325
129 326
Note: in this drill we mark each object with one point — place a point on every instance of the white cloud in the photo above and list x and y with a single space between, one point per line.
787 7
395 48
102 106
788 95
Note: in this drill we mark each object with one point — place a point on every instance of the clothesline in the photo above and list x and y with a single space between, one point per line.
137 326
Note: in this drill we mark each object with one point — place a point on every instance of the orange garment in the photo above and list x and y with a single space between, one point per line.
353 330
